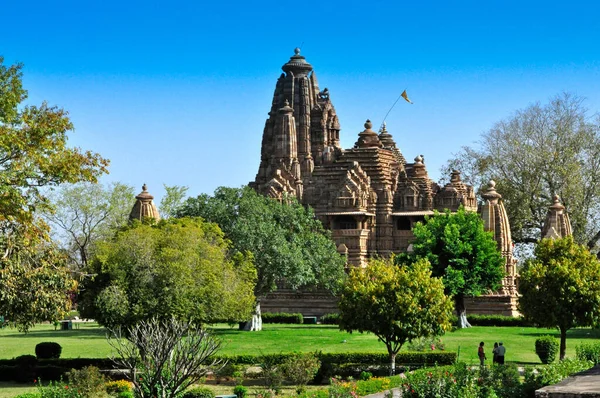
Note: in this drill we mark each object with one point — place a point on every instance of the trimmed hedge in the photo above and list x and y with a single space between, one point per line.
494 320
48 350
282 317
330 319
331 363
546 348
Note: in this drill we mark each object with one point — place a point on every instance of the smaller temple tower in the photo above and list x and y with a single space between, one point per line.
557 224
495 220
144 207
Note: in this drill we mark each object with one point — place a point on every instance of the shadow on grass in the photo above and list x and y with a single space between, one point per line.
79 334
571 334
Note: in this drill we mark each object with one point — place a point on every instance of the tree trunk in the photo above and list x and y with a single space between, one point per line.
255 324
461 312
563 343
392 363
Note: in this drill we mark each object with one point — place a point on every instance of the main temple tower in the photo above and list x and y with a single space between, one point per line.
301 132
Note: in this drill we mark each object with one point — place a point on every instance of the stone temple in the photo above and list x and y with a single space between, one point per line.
369 196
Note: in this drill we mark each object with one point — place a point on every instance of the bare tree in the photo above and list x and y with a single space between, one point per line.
163 358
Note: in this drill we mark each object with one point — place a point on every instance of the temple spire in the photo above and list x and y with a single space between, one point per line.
496 221
557 223
368 138
144 206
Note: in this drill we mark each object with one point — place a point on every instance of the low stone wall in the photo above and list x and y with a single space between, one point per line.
492 305
308 303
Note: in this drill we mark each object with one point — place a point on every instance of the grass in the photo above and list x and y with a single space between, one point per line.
89 341
9 389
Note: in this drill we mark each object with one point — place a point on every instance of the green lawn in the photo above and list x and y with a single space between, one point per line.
89 340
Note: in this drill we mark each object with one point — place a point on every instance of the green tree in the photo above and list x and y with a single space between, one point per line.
86 213
34 157
560 287
397 303
540 151
175 268
288 243
172 201
462 253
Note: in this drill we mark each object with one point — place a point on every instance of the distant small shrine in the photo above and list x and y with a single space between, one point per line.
144 206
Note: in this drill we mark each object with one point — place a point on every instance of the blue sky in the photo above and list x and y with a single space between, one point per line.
178 92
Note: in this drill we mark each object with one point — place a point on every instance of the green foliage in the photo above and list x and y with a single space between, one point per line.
560 287
287 241
34 156
282 317
546 347
430 343
88 382
172 200
240 391
57 389
29 395
461 252
589 352
395 303
300 368
86 213
48 350
199 392
365 375
271 372
178 267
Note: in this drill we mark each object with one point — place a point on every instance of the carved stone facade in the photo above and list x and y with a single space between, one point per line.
369 196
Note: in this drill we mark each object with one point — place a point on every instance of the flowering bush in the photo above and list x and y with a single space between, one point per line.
117 386
57 389
342 389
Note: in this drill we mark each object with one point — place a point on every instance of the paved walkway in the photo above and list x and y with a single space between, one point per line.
584 384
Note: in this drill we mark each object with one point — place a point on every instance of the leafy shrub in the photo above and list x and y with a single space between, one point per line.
89 382
57 389
48 350
199 392
426 344
341 389
125 394
365 376
282 317
377 384
240 391
300 368
588 352
271 372
330 319
546 348
117 386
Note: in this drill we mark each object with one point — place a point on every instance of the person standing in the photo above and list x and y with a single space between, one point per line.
481 354
500 351
495 353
